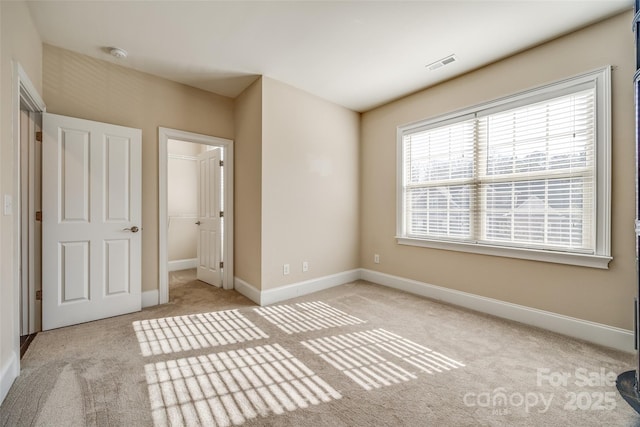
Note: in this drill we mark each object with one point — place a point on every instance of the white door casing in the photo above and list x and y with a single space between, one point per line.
91 238
209 217
25 140
31 228
227 147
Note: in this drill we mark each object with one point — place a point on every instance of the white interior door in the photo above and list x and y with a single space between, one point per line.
209 217
91 220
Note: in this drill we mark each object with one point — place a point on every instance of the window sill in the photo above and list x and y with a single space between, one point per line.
583 260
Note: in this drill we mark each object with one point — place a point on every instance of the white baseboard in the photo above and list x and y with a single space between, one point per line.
609 336
247 289
597 333
308 286
149 298
294 290
182 264
8 374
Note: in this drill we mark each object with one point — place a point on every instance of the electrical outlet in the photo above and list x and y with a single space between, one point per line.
376 258
285 269
305 266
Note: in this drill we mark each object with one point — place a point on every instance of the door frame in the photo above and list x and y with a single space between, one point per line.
23 93
30 191
164 135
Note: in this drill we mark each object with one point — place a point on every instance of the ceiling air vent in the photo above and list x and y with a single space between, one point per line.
442 62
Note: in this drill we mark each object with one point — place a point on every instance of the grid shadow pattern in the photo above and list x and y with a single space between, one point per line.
230 388
361 357
195 331
306 317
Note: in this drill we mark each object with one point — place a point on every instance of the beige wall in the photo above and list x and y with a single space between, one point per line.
296 185
79 86
604 296
247 183
20 42
310 162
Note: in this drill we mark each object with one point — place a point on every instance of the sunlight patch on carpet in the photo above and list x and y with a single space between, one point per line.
362 356
195 331
229 388
307 316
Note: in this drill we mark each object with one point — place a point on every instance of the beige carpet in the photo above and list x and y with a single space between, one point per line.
355 355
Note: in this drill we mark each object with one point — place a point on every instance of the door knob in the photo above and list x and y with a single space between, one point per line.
198 223
133 229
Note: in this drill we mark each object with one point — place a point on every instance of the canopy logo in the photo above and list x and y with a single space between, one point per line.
589 395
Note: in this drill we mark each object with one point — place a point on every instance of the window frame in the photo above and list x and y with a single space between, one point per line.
601 79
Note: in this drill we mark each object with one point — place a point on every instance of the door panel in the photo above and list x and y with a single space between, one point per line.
117 178
91 183
209 207
73 172
74 269
116 267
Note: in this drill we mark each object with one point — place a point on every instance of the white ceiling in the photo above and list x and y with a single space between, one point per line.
359 54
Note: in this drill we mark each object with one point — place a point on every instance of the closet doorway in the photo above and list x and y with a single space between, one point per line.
196 210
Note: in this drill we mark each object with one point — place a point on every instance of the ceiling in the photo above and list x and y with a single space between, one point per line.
359 54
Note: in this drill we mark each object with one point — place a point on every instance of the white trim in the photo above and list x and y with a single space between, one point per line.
571 258
563 84
163 218
598 333
182 157
248 290
603 163
294 290
22 90
600 79
8 375
26 194
182 264
34 227
609 336
28 92
164 134
149 298
30 258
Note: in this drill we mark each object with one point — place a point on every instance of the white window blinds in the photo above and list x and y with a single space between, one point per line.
537 172
439 180
519 174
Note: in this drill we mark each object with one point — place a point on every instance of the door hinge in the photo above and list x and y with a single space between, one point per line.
38 295
39 136
39 216
221 162
221 264
221 214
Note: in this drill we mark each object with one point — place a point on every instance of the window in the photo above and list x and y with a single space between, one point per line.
527 176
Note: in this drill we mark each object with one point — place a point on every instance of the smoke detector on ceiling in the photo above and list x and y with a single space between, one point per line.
118 53
442 62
